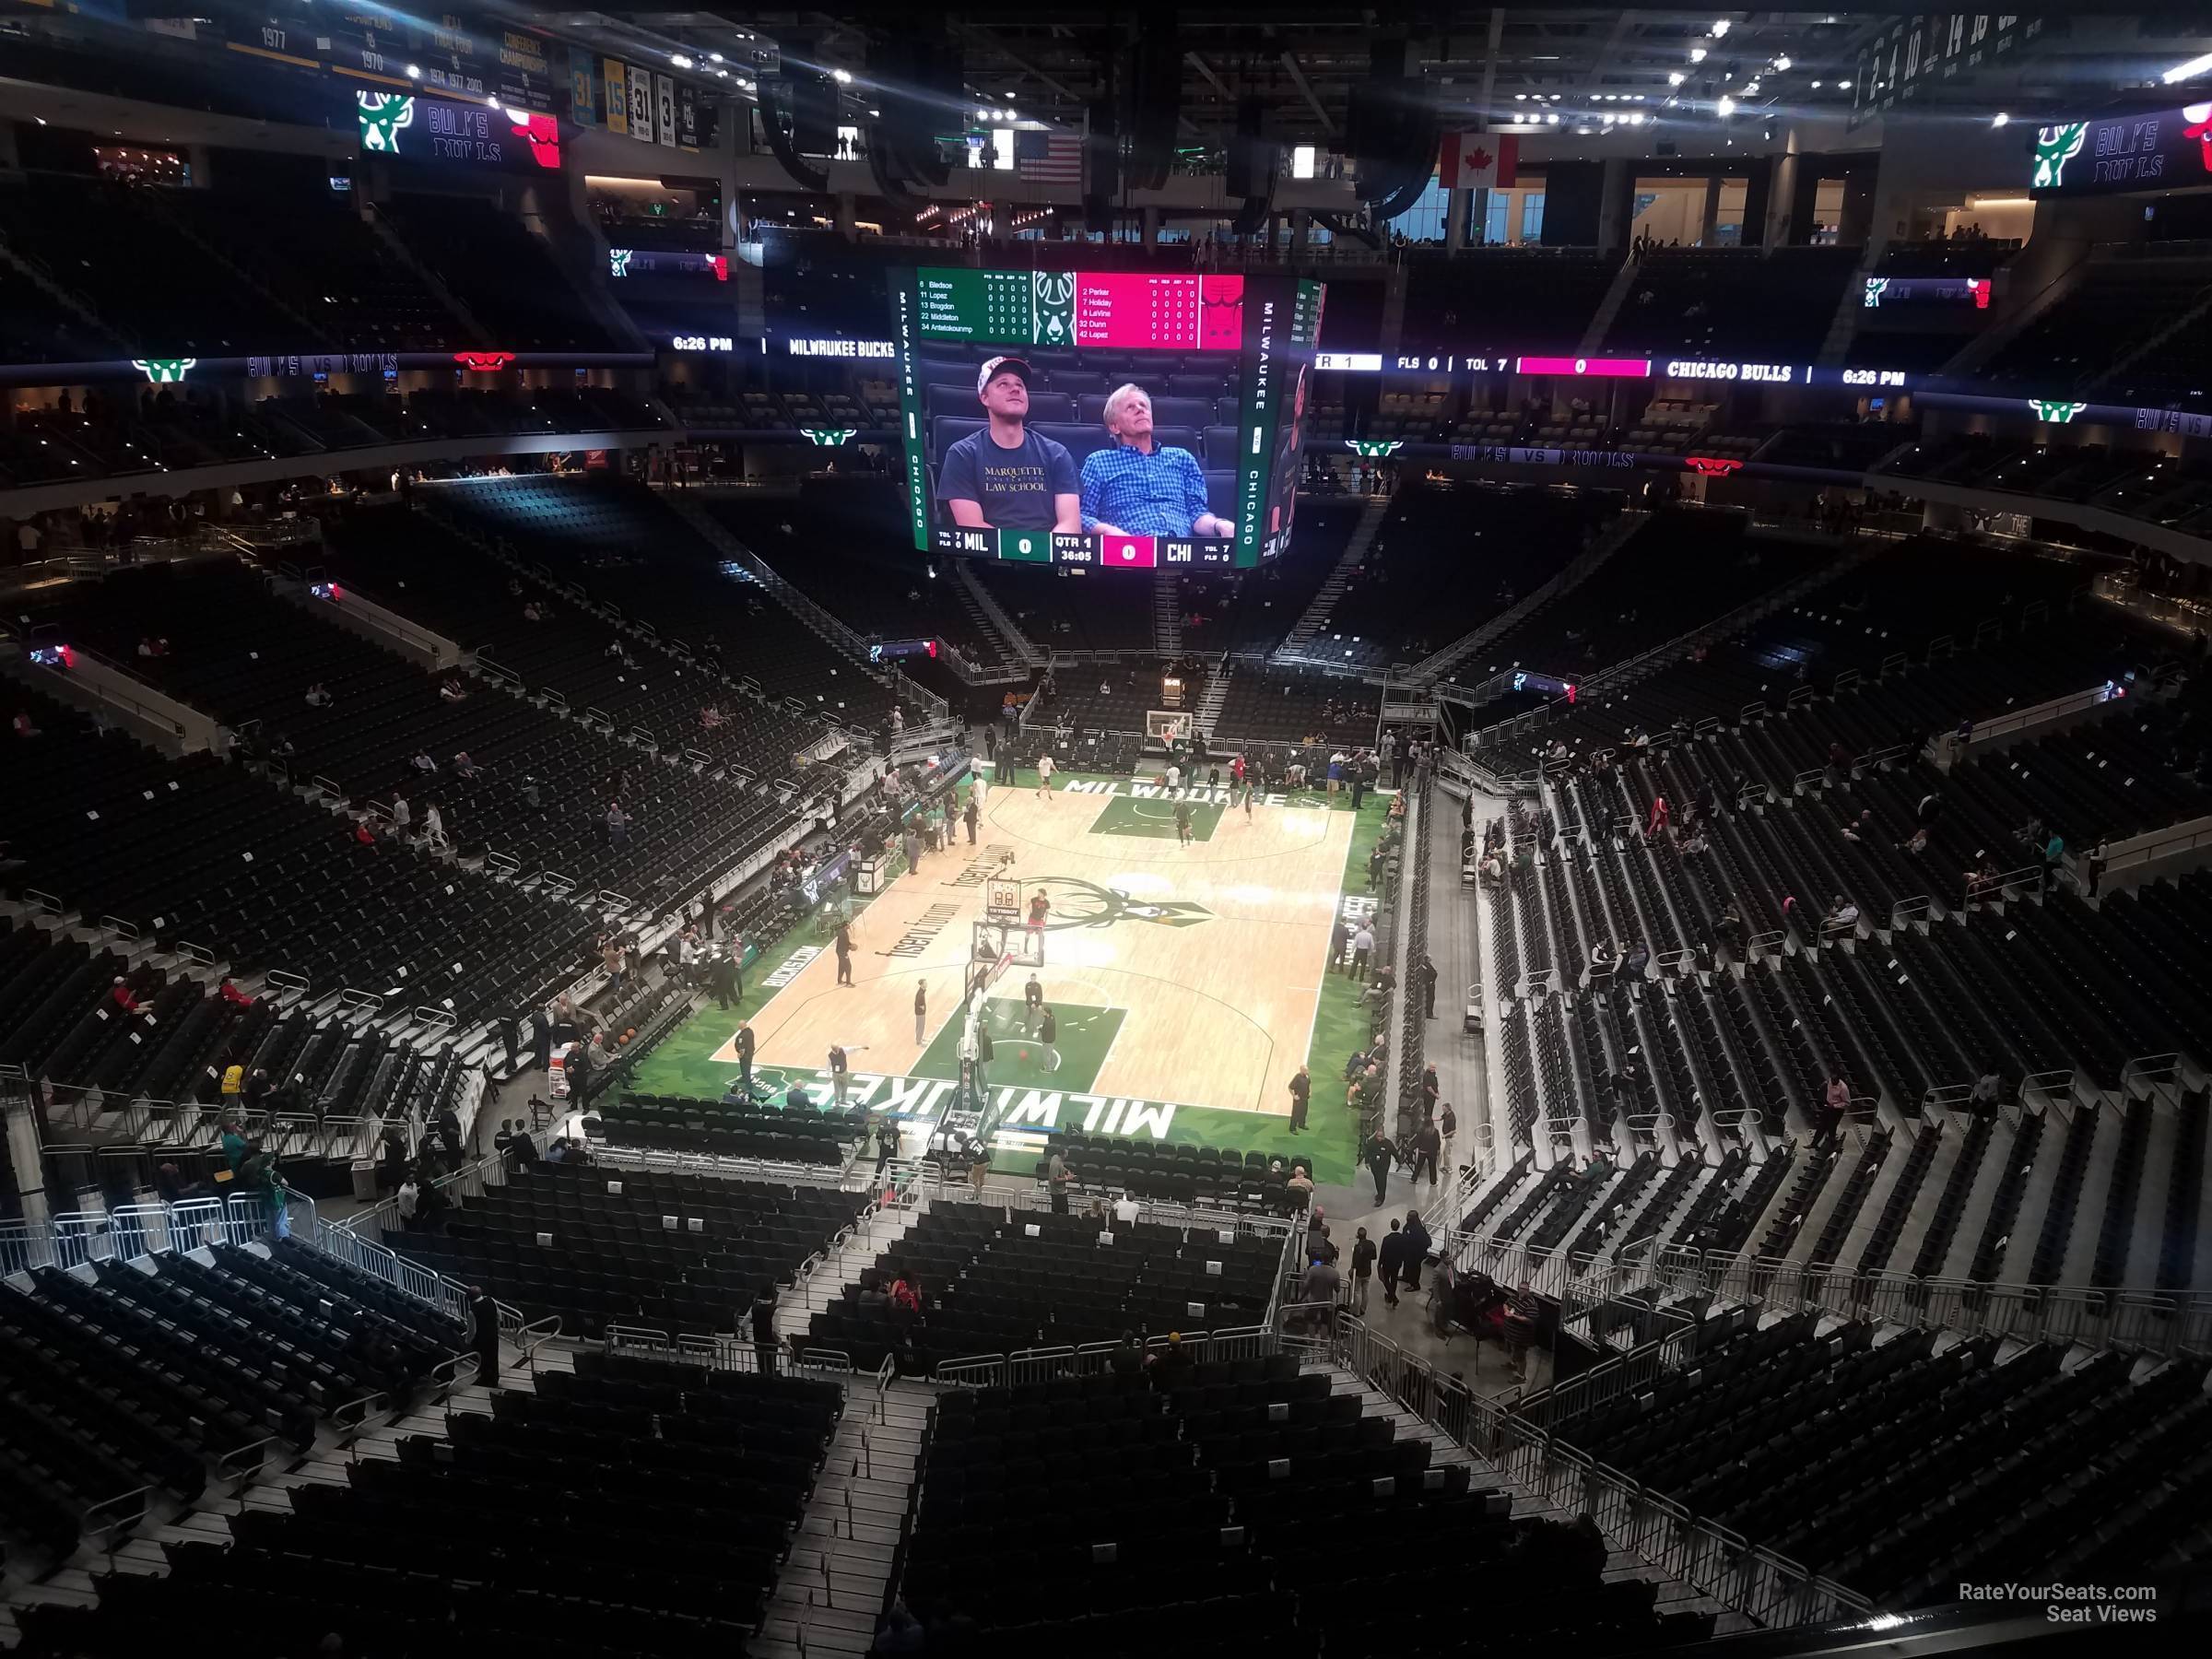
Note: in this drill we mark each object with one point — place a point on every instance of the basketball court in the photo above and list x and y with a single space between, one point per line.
1185 974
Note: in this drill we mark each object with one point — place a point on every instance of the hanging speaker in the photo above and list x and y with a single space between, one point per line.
1155 104
1252 157
811 102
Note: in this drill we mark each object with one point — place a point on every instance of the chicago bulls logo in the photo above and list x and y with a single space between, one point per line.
1711 467
543 134
483 362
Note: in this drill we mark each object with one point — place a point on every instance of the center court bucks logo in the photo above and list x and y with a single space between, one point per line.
1078 903
2054 146
2054 410
383 115
1054 295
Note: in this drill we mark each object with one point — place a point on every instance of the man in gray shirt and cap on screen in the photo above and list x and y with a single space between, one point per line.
1005 476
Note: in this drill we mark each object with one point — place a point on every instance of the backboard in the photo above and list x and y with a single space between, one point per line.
1022 946
1002 897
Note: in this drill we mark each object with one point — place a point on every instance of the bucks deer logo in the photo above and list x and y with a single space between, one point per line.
1374 446
2054 146
1078 903
2055 410
617 259
1054 295
383 115
1875 285
827 437
163 371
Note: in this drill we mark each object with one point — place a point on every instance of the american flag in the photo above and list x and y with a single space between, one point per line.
1049 158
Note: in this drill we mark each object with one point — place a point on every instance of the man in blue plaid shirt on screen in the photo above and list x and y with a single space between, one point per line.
1139 488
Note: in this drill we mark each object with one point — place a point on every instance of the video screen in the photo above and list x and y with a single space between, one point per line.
1117 419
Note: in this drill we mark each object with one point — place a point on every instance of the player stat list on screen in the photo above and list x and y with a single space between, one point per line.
1118 310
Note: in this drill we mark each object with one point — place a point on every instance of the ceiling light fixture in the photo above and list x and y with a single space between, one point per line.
1697 55
2000 119
1782 63
2188 71
1720 29
679 60
1725 108
1677 78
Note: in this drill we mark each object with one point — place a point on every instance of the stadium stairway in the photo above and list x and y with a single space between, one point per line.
833 632
1671 1596
831 1590
1569 577
1333 584
990 618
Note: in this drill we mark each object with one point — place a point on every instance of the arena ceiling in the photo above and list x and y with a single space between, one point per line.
1492 65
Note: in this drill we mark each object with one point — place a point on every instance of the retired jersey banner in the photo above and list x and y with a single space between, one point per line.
583 87
618 95
663 107
640 104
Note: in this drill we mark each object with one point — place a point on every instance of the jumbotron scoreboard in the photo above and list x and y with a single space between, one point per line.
1251 339
1123 310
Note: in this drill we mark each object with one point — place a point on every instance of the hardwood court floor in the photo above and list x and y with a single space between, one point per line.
1214 952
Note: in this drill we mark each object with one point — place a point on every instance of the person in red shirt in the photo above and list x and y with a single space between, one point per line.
122 994
1040 907
231 994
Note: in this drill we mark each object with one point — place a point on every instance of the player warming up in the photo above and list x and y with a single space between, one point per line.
1044 777
1040 908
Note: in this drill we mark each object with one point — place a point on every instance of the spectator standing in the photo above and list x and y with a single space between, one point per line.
1301 1095
744 1058
485 1313
1522 1310
1390 1261
921 1013
1424 981
1061 1178
1836 1107
845 954
1322 1284
1427 1144
1363 1269
1416 1248
1380 1156
763 1317
840 1069
1363 948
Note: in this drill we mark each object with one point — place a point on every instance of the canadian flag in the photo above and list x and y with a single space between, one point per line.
1478 161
